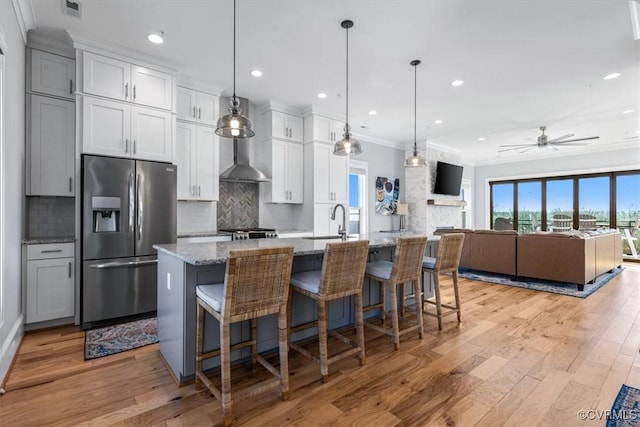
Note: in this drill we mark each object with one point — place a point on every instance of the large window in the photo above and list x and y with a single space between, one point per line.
559 204
529 206
594 200
502 206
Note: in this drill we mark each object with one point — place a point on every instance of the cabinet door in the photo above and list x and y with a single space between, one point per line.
338 174
295 126
53 74
106 77
207 163
151 134
336 130
322 154
185 104
322 220
185 160
207 109
322 129
295 176
106 127
151 87
279 125
52 154
279 183
50 289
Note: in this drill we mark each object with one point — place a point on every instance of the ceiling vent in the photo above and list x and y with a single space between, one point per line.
72 8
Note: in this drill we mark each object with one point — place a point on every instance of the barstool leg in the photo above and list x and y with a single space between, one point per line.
254 338
457 293
401 292
360 327
225 372
199 343
383 296
322 335
393 296
283 329
436 289
417 287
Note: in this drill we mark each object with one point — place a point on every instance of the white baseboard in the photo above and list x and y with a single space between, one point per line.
10 347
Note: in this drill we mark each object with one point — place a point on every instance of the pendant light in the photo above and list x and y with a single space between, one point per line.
347 146
415 161
234 124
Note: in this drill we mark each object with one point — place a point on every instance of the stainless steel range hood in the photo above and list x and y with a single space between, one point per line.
241 171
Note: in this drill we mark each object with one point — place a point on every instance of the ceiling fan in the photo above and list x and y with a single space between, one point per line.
544 142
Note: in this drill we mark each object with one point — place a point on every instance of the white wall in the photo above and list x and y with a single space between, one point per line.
554 165
11 327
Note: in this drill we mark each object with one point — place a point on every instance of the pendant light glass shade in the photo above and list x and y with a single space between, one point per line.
415 161
234 124
347 146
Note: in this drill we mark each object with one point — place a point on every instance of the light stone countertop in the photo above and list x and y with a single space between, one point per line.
203 234
46 240
218 252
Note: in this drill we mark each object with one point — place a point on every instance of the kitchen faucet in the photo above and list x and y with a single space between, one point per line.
342 231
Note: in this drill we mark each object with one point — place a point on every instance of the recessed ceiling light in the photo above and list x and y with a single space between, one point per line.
481 139
627 112
373 112
322 95
438 122
611 76
256 73
156 37
457 83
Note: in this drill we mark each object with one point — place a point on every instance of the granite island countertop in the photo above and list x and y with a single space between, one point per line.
218 252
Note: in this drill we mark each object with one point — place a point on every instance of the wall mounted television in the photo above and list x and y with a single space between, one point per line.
448 179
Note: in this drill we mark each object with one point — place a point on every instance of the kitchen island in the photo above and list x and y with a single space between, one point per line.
183 266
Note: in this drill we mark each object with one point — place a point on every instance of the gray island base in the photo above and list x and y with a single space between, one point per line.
183 266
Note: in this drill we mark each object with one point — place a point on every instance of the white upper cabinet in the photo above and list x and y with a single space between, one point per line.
283 162
197 158
112 78
118 129
329 174
51 148
325 129
284 126
197 107
53 74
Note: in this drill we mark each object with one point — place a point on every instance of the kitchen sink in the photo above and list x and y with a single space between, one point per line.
328 237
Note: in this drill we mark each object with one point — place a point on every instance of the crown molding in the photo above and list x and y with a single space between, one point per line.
25 16
444 148
283 108
379 141
37 40
199 86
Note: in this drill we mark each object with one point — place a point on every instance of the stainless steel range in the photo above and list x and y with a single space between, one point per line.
251 233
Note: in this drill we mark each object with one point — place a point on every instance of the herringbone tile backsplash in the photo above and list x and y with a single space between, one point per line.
238 205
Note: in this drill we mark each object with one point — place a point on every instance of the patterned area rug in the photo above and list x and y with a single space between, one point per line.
118 338
542 285
625 411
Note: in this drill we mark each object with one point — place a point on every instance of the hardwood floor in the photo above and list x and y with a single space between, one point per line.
520 357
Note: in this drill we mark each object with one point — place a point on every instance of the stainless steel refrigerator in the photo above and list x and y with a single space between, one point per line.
128 206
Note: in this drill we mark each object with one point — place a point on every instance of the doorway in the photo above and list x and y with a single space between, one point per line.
358 212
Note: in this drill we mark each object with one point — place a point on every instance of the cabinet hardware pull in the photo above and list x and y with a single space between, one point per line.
199 113
50 251
140 208
132 208
70 184
126 90
134 92
134 146
126 145
194 112
193 190
69 269
70 87
124 264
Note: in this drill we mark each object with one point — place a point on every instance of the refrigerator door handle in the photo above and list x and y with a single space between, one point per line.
123 264
139 196
132 206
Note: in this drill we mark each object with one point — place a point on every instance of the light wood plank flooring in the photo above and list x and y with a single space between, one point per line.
519 358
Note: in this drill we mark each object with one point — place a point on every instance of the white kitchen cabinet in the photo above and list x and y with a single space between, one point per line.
49 282
329 174
283 162
51 147
119 129
284 126
323 225
52 74
197 158
112 78
195 106
325 129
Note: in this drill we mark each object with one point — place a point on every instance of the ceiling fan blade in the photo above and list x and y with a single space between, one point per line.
517 145
569 135
526 149
577 139
572 144
510 149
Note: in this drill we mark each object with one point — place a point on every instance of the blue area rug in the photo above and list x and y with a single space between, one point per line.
625 411
118 338
542 285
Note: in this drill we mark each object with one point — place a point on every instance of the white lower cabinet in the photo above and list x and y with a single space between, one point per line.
197 158
50 270
114 128
323 225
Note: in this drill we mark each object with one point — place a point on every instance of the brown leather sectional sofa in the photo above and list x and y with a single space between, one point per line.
573 257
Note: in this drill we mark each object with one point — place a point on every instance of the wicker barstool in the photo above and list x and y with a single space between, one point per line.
406 267
341 276
256 284
447 261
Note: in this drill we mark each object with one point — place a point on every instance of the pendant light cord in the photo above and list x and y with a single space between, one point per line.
347 79
415 108
234 48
